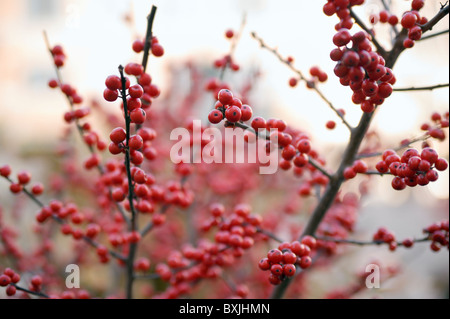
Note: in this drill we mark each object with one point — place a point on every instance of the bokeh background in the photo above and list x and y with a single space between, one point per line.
97 34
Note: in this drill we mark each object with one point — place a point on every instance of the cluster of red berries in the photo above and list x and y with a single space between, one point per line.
139 144
226 61
283 262
237 230
8 279
317 75
412 168
411 21
438 233
362 69
385 236
23 179
237 233
435 129
342 11
156 48
59 57
230 108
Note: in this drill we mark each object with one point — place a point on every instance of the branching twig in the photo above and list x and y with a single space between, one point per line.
302 77
362 25
367 243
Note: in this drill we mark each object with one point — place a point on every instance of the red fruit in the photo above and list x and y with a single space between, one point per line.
11 290
4 280
293 82
215 117
137 116
136 142
275 256
409 19
157 50
342 38
304 146
309 241
136 91
113 82
138 46
233 114
110 95
247 113
118 135
330 125
305 262
289 270
229 34
225 97
264 264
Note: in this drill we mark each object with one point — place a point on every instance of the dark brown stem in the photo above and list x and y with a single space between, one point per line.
34 293
362 25
133 226
148 37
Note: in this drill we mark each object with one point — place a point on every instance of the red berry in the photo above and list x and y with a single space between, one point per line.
137 116
409 19
342 38
305 262
4 280
229 34
118 135
11 290
289 270
157 50
293 82
275 256
113 82
24 177
136 91
110 95
225 97
233 114
331 125
136 142
215 117
138 46
247 113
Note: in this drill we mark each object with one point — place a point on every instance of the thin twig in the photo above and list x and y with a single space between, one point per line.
422 88
362 25
302 77
430 36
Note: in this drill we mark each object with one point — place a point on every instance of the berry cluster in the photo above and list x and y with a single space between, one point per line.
362 69
435 129
283 262
317 75
156 48
385 236
438 233
23 179
237 233
8 279
412 21
412 168
230 108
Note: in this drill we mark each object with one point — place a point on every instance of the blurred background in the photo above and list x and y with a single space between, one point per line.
97 37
